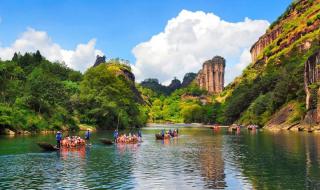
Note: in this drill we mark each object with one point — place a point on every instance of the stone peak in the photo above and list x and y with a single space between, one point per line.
216 60
99 60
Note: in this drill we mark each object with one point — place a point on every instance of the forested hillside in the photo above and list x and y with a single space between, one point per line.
40 95
270 85
275 79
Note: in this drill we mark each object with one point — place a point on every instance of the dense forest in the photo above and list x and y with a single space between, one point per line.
37 94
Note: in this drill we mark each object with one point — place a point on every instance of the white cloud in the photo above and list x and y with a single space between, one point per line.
82 57
193 37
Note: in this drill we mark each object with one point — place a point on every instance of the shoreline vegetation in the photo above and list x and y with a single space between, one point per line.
38 95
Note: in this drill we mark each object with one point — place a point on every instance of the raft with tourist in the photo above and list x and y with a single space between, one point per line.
67 142
131 138
167 134
252 127
234 127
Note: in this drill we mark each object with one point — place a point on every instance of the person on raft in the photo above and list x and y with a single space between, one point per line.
87 135
139 135
58 138
170 133
115 135
162 132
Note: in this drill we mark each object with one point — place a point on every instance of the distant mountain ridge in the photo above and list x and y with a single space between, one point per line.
175 84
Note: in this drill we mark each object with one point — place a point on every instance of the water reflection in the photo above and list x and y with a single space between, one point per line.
212 163
197 159
278 160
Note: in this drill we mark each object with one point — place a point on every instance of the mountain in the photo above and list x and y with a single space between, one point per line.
175 84
188 78
37 95
274 88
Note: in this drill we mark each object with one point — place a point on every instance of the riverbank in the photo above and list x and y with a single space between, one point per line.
6 131
296 127
172 125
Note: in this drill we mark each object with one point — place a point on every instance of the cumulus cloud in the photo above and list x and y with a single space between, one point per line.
193 37
82 57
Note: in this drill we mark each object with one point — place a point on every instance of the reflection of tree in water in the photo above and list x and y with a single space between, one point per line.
277 160
211 163
204 156
312 161
109 168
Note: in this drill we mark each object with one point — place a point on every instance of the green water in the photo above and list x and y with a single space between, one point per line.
198 159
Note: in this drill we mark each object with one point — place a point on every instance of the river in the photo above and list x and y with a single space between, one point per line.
199 158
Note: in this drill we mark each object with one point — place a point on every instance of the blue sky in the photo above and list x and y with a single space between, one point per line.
117 25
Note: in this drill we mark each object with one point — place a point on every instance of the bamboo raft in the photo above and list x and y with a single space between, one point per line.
47 146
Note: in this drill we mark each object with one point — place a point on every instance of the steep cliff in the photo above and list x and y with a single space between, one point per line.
211 76
301 17
311 85
280 87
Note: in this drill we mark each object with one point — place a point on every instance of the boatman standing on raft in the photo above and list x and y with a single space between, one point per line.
115 135
58 138
139 135
87 135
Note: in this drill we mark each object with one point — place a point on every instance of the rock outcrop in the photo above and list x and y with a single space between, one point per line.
263 42
99 60
211 76
311 86
123 70
284 32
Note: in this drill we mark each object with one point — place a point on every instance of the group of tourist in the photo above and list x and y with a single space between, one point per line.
72 141
169 133
130 138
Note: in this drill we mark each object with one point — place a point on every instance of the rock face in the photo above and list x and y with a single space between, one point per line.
284 32
211 76
99 60
263 42
311 78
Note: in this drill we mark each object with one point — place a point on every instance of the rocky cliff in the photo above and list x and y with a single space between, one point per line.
99 60
263 42
301 17
311 85
211 76
280 89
